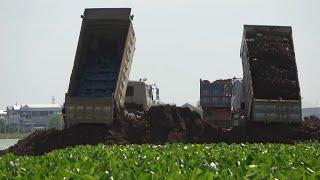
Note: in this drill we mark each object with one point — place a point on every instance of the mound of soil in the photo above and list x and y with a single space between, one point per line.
174 124
45 141
163 124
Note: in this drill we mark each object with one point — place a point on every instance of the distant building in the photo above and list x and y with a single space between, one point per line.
28 116
13 113
3 120
38 115
3 115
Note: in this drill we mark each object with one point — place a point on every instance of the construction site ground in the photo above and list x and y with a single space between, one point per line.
163 124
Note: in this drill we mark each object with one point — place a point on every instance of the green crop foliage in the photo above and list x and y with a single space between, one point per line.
171 161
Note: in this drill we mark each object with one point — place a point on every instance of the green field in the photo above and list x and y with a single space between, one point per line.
176 161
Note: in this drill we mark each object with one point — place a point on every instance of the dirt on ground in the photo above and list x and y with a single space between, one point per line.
163 124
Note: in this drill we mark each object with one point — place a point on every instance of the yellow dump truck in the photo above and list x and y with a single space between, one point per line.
101 67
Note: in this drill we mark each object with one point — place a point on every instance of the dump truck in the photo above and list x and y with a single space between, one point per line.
141 95
215 101
270 76
103 59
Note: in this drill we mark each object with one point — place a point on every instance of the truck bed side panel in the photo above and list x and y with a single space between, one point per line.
269 111
127 57
88 110
247 81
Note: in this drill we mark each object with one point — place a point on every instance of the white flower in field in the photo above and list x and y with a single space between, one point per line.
238 163
230 172
253 166
185 147
124 156
107 172
111 178
310 170
23 169
213 165
273 169
11 164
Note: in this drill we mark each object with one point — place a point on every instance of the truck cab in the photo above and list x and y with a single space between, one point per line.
141 95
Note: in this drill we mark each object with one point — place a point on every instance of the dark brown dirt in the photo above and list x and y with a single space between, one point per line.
163 124
273 66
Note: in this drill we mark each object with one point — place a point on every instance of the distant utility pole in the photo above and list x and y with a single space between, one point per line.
18 126
5 126
53 100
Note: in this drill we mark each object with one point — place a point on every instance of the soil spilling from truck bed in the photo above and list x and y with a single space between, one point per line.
273 66
162 124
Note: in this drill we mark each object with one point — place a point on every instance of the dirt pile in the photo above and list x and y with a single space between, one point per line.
312 125
170 124
273 66
162 124
274 133
41 141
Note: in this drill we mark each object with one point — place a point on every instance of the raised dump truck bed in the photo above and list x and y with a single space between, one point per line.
271 84
101 67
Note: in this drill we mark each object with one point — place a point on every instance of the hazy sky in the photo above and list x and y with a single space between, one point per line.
178 42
